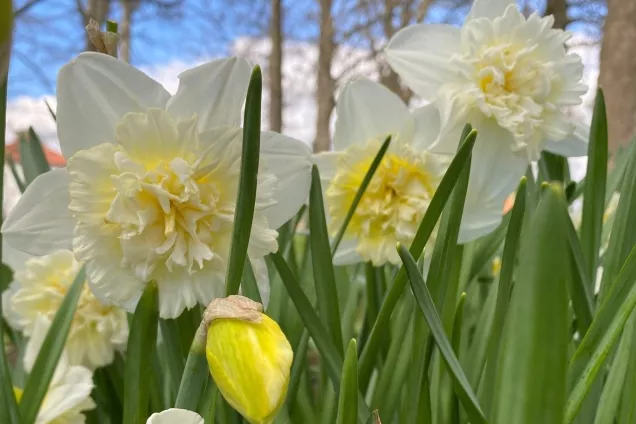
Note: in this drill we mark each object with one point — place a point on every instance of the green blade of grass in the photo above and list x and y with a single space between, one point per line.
16 176
532 367
424 300
324 275
298 367
594 192
195 373
141 347
431 216
456 340
250 286
356 200
511 247
348 398
486 247
248 181
581 284
171 347
42 372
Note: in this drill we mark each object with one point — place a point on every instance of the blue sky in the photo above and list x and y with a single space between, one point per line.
51 33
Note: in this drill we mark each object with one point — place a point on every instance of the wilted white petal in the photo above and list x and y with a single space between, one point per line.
175 416
488 8
94 91
421 53
289 160
41 222
366 111
214 91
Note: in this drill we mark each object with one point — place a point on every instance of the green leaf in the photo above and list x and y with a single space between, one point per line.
32 156
531 379
594 193
16 176
348 398
196 373
486 247
8 406
425 302
249 285
298 367
356 200
332 359
623 233
246 198
431 216
553 167
171 348
141 347
611 395
601 337
511 246
324 276
48 106
627 408
580 281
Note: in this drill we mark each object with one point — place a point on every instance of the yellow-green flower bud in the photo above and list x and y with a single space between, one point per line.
249 357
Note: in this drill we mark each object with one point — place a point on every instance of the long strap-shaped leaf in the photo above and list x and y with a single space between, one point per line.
348 402
324 275
50 352
433 212
8 405
141 347
425 302
332 359
195 373
247 184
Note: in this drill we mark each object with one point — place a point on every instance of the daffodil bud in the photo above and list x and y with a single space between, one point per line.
249 357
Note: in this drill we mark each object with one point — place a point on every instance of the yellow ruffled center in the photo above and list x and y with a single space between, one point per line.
393 204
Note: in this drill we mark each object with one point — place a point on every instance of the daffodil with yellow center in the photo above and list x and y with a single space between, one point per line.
69 393
151 185
39 287
249 357
509 76
402 187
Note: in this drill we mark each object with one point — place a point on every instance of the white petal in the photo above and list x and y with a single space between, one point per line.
427 126
215 91
290 161
488 8
420 54
175 416
367 110
327 163
454 114
13 257
574 146
40 329
69 396
94 91
347 253
495 173
41 222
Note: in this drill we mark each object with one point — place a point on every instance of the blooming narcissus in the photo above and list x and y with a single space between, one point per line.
249 357
69 393
401 189
175 416
36 293
150 189
508 75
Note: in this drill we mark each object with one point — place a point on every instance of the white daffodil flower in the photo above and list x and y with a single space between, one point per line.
69 393
36 293
401 189
150 189
508 75
175 416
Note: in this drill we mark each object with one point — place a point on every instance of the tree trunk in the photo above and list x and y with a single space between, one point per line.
326 85
129 7
618 70
98 10
276 68
558 9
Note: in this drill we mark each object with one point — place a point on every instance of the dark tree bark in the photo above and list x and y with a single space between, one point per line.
326 85
276 68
